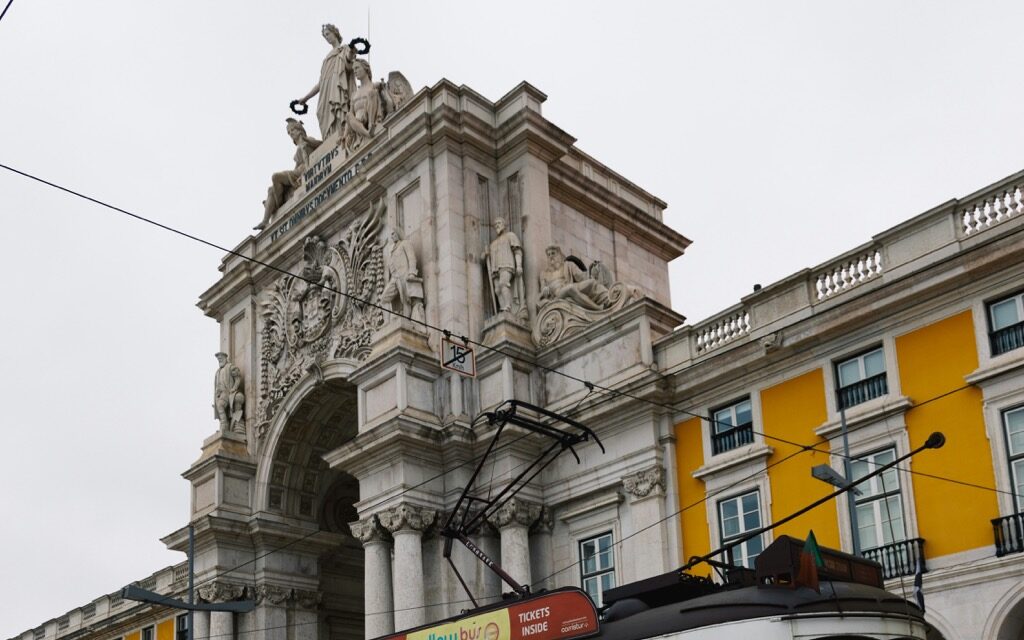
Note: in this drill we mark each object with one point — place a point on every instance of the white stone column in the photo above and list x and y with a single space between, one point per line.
407 522
271 611
306 621
378 605
491 584
648 549
222 625
513 521
201 622
541 551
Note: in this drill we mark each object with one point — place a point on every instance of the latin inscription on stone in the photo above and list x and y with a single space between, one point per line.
319 171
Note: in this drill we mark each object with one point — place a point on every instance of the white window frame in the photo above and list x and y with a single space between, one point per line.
741 555
877 493
599 571
152 632
1017 298
714 421
1014 459
859 358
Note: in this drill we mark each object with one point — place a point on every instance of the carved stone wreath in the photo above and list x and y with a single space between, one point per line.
321 314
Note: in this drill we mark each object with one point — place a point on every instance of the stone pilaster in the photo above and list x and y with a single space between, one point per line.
541 551
378 602
513 521
649 546
272 610
407 523
221 623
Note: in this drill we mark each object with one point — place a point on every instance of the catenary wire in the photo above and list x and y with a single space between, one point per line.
609 393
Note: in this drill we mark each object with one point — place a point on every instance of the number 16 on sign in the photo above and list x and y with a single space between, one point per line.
458 358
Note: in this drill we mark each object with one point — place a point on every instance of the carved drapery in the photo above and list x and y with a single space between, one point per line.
644 483
310 319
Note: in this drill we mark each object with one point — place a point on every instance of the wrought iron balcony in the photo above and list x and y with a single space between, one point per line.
1009 534
862 391
899 558
735 437
1007 338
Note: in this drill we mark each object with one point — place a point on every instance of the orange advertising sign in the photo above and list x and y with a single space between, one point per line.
560 614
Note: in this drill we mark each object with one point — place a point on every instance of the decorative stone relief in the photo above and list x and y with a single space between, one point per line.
504 260
545 522
771 342
572 296
284 183
518 512
307 599
350 103
369 530
228 396
305 324
644 483
407 517
271 594
402 282
218 591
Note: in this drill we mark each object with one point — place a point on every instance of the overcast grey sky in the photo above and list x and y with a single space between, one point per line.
780 133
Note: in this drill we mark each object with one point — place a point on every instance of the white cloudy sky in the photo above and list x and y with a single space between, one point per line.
780 134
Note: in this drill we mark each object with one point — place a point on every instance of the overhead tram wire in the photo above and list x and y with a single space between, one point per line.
613 393
4 12
609 393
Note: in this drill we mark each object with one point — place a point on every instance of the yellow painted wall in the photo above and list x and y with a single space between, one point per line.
933 361
165 630
693 521
134 635
791 411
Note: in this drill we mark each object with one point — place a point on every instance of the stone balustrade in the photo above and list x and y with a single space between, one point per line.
721 329
848 272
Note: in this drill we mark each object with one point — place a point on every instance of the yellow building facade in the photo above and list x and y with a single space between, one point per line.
920 330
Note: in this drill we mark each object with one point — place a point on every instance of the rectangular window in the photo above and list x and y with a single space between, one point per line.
1006 324
597 566
736 517
1013 420
861 378
181 627
148 633
880 505
732 426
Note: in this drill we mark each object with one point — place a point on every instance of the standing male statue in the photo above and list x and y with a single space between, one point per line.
400 263
228 396
505 268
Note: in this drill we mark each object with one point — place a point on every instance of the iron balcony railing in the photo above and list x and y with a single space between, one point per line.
1009 534
1007 339
734 437
899 558
863 391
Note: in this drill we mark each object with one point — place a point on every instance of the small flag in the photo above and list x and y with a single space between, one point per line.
810 560
919 583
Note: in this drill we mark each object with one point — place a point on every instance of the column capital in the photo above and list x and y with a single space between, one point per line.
545 522
369 530
220 591
407 517
306 599
648 482
271 594
516 512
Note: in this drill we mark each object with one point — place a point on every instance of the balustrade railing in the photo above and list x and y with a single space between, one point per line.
991 210
899 558
848 273
722 330
1009 534
866 389
1007 338
733 438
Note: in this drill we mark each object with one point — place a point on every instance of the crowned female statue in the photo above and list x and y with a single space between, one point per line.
337 84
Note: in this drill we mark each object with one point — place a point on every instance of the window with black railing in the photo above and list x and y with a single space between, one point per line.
1006 324
861 378
899 558
1008 532
732 426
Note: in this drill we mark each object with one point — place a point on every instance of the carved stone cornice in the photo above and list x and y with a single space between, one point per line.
271 594
369 530
219 591
407 517
307 599
516 512
645 483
